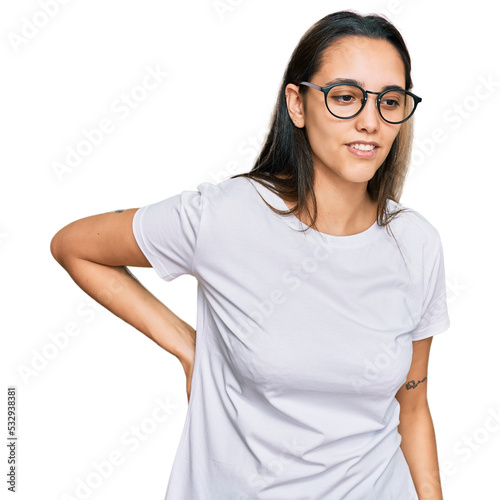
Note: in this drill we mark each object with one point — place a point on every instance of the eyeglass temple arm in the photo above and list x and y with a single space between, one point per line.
313 85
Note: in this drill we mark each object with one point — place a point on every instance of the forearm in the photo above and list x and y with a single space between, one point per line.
121 293
418 443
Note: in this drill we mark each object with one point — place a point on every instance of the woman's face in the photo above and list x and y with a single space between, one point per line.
374 64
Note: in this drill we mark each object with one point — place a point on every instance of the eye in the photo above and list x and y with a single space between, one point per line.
393 99
344 98
345 95
391 103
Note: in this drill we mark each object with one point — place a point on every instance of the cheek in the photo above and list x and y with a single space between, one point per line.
388 139
325 135
318 137
391 134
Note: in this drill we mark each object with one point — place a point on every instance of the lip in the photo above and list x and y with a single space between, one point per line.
376 144
363 154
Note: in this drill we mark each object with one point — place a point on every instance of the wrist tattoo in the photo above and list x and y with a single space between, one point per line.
412 384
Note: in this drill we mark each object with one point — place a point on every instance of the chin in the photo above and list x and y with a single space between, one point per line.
361 174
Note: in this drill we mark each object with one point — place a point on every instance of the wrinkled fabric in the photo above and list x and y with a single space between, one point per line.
303 340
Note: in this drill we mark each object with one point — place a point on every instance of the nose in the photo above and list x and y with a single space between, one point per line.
369 118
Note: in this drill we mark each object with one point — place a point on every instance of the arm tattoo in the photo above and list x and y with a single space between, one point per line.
411 384
116 211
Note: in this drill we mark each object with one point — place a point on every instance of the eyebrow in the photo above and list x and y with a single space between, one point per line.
356 82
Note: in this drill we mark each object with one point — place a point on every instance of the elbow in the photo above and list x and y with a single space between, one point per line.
57 247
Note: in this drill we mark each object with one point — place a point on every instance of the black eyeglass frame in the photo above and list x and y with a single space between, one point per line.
325 90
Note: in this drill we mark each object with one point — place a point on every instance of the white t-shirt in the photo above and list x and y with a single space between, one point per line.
302 341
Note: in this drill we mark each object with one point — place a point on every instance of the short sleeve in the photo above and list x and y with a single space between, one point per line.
435 318
166 232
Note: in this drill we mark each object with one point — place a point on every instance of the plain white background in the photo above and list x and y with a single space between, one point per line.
90 387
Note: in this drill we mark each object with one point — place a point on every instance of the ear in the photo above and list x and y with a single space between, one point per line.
295 105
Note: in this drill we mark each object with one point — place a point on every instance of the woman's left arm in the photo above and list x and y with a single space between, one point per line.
418 440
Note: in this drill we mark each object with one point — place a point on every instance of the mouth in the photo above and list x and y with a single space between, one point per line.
363 150
362 146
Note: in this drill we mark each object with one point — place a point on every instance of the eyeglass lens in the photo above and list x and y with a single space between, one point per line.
346 100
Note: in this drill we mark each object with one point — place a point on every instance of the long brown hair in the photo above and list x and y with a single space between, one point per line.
285 163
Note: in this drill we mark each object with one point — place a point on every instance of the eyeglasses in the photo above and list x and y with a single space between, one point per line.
347 100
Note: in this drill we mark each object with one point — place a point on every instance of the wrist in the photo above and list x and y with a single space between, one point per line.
186 344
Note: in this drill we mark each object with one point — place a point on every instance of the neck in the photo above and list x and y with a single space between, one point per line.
344 207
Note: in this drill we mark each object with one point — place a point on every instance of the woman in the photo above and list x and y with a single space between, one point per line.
318 293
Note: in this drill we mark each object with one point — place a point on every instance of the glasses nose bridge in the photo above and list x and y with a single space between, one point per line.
377 94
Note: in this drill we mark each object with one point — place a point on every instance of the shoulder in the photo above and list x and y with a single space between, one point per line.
229 192
412 226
